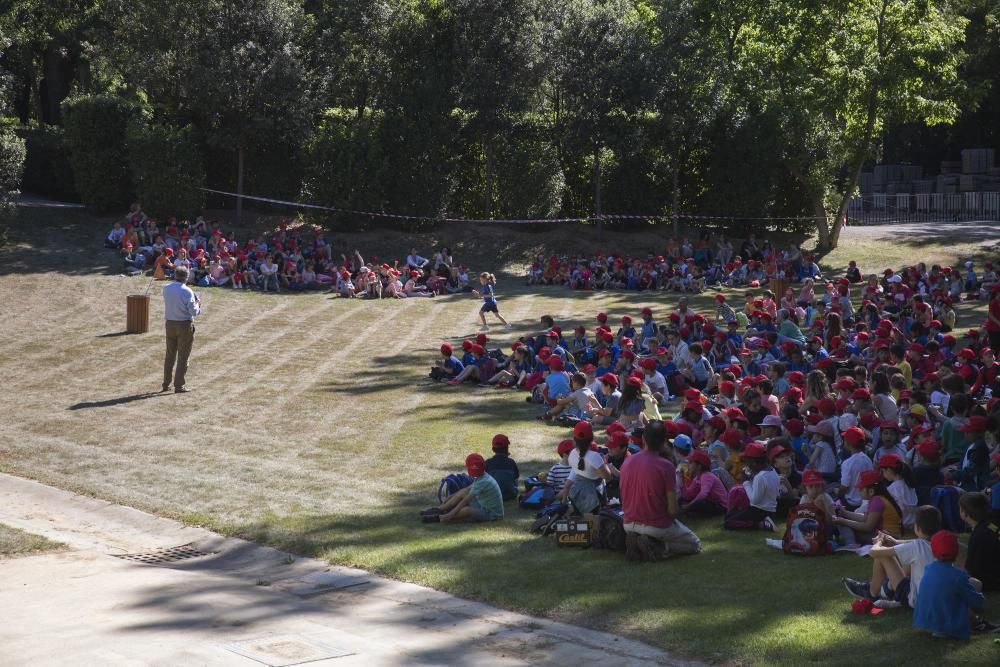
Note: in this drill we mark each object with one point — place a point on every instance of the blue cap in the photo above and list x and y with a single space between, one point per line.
682 441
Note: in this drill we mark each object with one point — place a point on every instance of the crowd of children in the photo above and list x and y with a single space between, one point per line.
862 402
293 257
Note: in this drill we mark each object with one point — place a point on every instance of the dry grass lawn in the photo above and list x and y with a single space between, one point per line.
15 542
311 427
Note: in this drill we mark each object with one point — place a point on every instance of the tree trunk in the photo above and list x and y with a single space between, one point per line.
239 183
822 226
673 204
488 174
597 189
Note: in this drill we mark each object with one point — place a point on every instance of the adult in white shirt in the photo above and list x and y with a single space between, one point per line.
682 357
269 273
180 306
415 261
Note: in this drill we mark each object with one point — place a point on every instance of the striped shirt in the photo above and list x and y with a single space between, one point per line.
558 474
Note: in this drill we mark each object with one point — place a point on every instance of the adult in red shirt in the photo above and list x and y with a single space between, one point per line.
649 498
992 324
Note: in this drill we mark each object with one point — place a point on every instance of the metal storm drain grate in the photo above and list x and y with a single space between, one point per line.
168 555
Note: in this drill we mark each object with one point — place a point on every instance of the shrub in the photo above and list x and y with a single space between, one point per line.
167 169
46 168
11 164
96 128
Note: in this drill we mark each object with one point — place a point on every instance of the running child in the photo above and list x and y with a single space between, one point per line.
488 294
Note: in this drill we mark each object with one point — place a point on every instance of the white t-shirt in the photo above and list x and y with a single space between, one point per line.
656 382
917 554
850 472
763 490
906 498
592 462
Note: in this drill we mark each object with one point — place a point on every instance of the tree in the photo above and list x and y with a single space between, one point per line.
233 68
838 72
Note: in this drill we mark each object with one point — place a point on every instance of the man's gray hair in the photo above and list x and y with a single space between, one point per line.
181 274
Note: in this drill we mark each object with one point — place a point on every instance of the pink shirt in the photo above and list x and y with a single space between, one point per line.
646 478
706 487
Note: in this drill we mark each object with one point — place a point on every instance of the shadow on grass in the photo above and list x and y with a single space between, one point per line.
768 607
121 400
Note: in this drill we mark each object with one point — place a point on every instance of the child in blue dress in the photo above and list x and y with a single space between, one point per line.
488 281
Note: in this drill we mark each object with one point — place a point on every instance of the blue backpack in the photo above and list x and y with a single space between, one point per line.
538 497
945 498
451 484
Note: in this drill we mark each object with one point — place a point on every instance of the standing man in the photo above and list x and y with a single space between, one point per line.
649 499
180 306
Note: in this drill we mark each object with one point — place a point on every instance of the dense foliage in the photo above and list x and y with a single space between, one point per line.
514 108
166 168
96 127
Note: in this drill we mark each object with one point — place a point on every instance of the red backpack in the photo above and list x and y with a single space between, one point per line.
805 534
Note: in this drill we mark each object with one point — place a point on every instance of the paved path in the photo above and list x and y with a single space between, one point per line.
87 607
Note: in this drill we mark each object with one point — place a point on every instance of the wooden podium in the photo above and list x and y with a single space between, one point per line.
778 286
137 313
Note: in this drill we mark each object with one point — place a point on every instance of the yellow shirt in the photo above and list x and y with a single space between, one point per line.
907 370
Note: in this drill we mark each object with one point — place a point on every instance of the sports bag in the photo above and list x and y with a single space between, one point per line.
610 529
537 498
805 533
945 498
451 484
546 518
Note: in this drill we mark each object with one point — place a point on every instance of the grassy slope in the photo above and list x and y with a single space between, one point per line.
310 429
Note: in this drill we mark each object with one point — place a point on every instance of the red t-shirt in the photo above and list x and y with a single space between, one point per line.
646 478
995 312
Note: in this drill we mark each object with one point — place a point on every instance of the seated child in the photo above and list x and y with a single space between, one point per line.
579 404
881 513
617 453
762 486
898 565
503 468
559 472
482 501
946 593
448 366
814 493
705 493
982 560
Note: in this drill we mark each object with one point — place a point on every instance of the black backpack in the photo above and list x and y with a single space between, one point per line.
546 518
610 529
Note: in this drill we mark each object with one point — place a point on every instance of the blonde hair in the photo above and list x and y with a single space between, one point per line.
489 277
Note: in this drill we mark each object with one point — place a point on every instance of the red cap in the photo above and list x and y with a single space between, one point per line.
628 354
619 439
602 317
861 394
500 441
634 382
615 427
626 319
735 414
646 311
777 451
446 349
552 334
475 465
975 424
795 427
888 424
796 377
565 447
694 405
868 478
727 387
944 545
482 339
853 435
648 364
701 458
966 353
890 461
718 423
583 431
811 476
755 450
826 406
169 252
466 345
555 363
478 349
929 449
610 379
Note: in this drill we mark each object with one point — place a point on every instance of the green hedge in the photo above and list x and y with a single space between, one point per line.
47 170
167 169
11 164
96 127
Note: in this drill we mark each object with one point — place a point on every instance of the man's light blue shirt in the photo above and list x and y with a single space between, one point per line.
179 303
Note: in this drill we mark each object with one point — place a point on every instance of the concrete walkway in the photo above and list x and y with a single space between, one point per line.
241 604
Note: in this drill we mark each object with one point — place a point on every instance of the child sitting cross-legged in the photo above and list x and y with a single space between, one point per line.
559 472
705 493
898 565
502 468
882 512
482 501
946 593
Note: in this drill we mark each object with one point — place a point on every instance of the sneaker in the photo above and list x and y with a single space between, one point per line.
431 511
768 524
859 589
644 546
507 326
882 603
454 383
431 518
